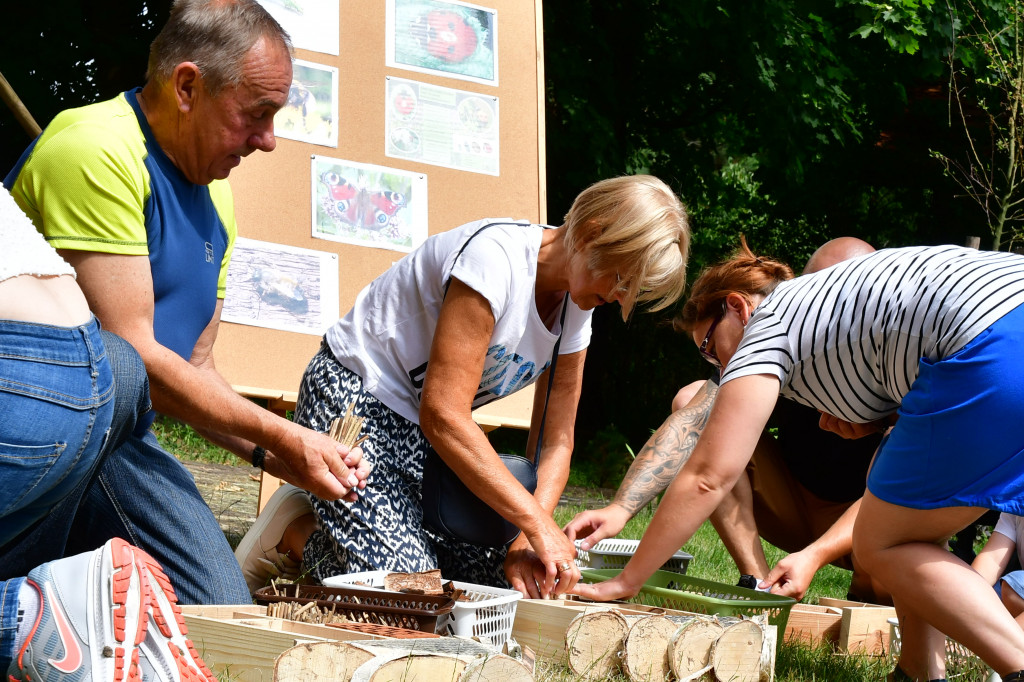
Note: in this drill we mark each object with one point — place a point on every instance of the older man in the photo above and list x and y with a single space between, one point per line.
797 491
132 193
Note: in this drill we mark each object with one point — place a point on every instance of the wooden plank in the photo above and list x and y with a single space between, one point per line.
843 603
224 611
865 630
540 624
813 624
245 650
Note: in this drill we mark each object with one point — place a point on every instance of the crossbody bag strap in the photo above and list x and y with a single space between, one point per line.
554 352
551 380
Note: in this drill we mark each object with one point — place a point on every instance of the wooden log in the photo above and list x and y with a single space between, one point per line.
736 655
645 653
319 662
497 669
411 667
771 641
593 642
689 648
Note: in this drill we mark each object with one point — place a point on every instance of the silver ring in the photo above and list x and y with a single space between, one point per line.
563 566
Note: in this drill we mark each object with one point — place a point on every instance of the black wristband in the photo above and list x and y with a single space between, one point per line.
258 455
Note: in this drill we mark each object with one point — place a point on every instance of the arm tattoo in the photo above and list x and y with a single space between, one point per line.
666 452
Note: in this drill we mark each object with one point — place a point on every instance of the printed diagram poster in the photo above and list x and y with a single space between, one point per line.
453 39
312 24
366 205
281 287
441 126
311 114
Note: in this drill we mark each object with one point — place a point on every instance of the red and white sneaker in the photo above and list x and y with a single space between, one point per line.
91 620
168 655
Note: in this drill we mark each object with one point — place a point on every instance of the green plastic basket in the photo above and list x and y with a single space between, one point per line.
698 595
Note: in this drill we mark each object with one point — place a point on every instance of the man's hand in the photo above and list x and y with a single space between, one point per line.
597 524
318 463
792 575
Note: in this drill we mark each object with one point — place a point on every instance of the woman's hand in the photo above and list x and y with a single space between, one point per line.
555 572
609 590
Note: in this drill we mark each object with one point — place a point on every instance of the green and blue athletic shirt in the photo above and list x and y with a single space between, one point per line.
96 180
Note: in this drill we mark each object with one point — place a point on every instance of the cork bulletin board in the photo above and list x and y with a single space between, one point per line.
372 136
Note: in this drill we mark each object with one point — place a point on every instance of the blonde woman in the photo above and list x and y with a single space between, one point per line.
472 315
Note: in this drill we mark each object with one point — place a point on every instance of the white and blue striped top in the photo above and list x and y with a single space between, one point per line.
847 340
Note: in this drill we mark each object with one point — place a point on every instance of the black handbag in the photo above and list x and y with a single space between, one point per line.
450 508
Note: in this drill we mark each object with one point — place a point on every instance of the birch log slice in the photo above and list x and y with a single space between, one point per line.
593 642
411 667
737 653
689 649
319 662
646 649
497 669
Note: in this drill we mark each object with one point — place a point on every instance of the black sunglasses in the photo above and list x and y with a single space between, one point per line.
709 355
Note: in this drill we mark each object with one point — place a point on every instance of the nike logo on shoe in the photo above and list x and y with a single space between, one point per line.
72 659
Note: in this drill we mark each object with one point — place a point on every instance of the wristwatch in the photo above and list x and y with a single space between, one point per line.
258 455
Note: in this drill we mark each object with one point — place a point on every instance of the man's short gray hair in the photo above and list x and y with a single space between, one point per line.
215 35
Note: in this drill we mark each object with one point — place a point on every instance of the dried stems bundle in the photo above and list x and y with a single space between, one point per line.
305 613
346 429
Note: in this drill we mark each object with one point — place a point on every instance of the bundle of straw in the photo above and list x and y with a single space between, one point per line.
346 429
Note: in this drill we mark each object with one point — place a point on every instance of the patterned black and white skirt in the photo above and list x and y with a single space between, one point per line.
384 528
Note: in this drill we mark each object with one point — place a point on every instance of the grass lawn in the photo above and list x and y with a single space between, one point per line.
794 662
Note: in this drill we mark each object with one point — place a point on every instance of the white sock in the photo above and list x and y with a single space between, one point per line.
28 610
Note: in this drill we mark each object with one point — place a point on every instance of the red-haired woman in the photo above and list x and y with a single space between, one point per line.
931 334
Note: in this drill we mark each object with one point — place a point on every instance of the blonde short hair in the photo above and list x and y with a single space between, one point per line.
636 227
216 35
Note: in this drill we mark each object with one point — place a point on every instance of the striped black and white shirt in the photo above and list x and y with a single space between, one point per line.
847 340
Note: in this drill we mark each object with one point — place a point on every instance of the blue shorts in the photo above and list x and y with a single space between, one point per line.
959 441
1015 580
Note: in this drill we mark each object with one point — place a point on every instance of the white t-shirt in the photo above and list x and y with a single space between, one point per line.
387 335
848 339
1012 526
25 251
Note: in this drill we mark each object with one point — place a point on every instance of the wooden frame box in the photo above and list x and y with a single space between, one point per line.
865 627
814 624
243 642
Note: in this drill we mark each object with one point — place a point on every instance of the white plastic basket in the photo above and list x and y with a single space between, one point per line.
487 613
484 612
616 553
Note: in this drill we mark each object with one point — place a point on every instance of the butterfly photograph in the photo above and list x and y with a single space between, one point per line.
368 205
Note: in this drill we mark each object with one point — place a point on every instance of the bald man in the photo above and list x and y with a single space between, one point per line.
802 487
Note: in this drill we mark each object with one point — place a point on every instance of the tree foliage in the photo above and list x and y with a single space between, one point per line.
778 119
790 121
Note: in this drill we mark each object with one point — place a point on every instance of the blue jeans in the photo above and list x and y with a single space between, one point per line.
146 496
56 405
138 492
